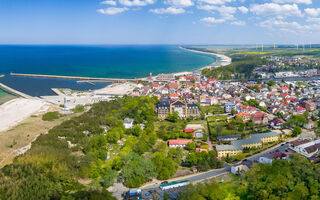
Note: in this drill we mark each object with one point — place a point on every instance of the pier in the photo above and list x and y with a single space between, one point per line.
92 79
13 91
89 82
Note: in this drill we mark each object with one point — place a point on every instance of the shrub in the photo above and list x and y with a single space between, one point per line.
51 116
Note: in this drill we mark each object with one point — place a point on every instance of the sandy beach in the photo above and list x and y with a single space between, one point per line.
224 60
16 110
117 89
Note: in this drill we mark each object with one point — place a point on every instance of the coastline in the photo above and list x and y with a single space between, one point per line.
224 60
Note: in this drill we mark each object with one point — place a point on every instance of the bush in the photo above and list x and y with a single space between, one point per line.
78 108
51 116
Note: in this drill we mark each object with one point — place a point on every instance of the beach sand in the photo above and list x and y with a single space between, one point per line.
224 60
16 110
117 89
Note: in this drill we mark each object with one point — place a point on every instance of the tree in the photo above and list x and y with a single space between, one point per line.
137 170
109 178
233 111
191 146
271 83
218 129
297 120
136 130
296 131
78 108
173 117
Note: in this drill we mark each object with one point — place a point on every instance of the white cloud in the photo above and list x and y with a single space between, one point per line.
221 9
136 2
226 12
217 2
109 2
292 27
169 10
268 9
314 12
293 1
180 3
212 20
313 19
112 10
238 23
243 9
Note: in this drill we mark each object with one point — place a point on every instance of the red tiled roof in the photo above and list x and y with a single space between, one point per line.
179 142
199 150
190 130
174 95
300 108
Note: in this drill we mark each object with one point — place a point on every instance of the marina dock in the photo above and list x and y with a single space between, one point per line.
119 80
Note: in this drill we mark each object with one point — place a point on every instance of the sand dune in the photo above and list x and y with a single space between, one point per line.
16 110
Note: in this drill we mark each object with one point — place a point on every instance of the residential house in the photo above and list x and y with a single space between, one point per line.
245 116
179 143
260 118
306 148
229 105
128 123
276 123
310 106
309 124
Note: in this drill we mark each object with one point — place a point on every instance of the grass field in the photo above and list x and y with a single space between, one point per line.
212 109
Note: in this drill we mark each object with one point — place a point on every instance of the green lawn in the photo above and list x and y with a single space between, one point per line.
217 109
217 117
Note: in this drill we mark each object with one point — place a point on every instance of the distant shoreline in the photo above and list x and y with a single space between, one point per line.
224 60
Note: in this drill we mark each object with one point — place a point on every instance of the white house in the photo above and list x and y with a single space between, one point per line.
308 149
128 123
265 160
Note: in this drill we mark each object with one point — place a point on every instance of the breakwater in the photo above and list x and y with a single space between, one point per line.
13 91
76 77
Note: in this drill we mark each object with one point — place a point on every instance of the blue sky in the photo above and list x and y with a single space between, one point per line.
159 21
